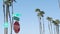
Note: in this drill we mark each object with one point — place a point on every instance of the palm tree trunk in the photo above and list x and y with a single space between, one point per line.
40 25
57 29
43 26
54 29
49 27
59 3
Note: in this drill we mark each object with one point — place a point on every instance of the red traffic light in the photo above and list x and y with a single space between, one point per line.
16 27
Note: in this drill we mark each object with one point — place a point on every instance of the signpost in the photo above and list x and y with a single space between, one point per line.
16 25
6 10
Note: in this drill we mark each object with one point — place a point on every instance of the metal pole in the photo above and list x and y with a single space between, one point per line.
12 18
12 15
4 15
7 10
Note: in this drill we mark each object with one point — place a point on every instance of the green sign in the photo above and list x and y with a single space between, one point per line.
17 15
16 18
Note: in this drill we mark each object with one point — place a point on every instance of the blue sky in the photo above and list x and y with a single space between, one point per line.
29 21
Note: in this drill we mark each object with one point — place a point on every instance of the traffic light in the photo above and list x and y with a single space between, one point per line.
6 25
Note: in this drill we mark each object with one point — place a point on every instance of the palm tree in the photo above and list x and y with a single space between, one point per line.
57 26
54 26
59 3
38 10
56 23
40 15
50 24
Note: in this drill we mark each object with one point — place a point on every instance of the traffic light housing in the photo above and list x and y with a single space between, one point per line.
6 25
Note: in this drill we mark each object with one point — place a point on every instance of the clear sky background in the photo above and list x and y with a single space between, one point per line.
29 21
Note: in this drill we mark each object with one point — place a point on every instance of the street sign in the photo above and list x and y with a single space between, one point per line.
16 27
17 15
16 18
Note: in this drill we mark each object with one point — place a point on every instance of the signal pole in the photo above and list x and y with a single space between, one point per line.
6 5
6 15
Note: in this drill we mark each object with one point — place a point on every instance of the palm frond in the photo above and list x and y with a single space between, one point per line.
49 18
57 21
37 10
41 13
